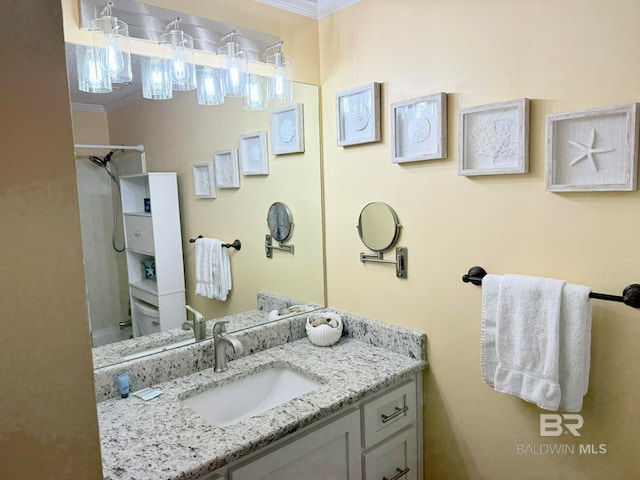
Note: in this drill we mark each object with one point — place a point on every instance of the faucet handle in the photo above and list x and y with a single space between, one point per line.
219 326
197 316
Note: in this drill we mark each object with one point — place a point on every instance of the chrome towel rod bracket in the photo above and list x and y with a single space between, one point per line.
630 295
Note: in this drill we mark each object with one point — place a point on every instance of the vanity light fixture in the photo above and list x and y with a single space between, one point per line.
235 67
256 97
281 80
111 45
209 86
178 55
108 59
156 83
91 78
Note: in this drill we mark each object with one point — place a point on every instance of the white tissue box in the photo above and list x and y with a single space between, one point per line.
324 334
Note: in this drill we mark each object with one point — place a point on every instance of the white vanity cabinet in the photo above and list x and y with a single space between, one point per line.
333 449
379 438
153 243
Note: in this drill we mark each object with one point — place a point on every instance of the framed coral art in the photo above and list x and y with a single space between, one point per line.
287 130
227 171
494 139
358 115
419 129
592 150
254 157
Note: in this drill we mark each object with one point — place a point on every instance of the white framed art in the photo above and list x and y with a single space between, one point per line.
358 115
227 170
254 157
419 129
494 139
203 180
287 130
592 150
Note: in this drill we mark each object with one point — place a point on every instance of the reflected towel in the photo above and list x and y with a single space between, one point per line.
213 270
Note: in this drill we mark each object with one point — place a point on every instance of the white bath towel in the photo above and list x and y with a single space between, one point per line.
213 270
536 339
575 346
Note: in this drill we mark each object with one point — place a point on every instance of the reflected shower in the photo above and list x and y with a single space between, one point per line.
104 163
117 212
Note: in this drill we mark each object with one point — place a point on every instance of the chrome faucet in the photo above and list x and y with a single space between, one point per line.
199 325
220 341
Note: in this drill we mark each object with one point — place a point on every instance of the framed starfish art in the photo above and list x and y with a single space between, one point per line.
592 150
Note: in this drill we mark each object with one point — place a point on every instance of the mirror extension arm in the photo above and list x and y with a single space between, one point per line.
269 247
400 262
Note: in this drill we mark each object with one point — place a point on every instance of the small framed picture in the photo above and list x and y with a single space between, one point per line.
203 180
254 157
227 170
494 139
358 115
419 129
287 130
592 150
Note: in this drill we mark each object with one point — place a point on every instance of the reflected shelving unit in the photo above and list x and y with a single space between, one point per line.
154 250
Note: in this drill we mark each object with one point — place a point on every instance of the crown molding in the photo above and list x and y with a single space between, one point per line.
310 8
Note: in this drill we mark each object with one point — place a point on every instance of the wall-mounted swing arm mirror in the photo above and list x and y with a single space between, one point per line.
379 229
280 223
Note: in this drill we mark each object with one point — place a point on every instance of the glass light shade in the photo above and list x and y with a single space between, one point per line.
177 52
91 77
234 70
111 41
281 80
256 98
156 84
209 86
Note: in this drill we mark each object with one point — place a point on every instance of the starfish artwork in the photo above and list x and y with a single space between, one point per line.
587 151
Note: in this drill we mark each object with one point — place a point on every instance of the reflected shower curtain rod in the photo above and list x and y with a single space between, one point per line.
139 148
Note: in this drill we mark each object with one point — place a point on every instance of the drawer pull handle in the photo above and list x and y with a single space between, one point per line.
136 233
401 473
399 411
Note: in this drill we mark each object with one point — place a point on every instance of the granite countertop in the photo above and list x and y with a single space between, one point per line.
162 439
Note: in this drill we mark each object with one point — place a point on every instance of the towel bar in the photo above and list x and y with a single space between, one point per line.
236 243
630 295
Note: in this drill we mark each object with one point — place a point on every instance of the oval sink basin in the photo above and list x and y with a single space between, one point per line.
249 396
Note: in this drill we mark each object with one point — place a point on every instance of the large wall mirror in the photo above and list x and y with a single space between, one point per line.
178 134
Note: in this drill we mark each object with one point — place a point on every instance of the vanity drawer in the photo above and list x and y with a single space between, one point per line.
139 233
396 458
389 413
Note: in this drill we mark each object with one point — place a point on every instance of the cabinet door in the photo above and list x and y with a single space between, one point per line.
331 452
395 458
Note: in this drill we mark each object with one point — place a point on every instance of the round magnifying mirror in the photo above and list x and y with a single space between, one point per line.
279 221
378 226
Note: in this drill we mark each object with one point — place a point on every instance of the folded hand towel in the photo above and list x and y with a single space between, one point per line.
490 292
536 339
527 339
213 270
575 346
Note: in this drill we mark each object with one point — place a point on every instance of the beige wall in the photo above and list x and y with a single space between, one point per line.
48 424
564 56
180 133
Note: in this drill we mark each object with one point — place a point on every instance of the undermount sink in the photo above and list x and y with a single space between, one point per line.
243 398
162 348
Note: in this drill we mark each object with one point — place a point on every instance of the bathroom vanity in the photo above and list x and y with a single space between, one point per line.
363 420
